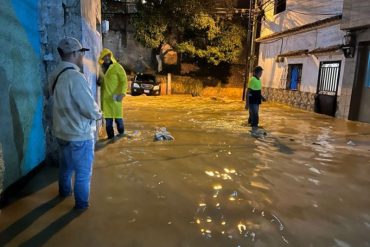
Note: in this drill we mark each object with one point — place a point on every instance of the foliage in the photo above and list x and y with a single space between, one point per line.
191 27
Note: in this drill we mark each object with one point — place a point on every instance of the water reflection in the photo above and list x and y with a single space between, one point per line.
228 214
303 184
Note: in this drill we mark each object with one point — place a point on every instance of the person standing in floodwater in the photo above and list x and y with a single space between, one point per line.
75 113
254 98
113 82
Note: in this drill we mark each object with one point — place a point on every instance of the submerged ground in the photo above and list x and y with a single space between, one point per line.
306 183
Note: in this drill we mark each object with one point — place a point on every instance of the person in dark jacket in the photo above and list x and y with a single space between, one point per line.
254 97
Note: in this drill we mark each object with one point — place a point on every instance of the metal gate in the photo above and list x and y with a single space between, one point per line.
327 88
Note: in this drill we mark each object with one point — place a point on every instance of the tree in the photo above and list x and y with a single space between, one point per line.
192 27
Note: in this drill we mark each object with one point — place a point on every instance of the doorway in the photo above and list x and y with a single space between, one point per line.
327 88
360 101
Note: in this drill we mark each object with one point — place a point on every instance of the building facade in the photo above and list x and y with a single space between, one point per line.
30 31
300 51
120 36
356 80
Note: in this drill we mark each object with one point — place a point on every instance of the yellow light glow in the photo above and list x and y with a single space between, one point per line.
217 187
210 173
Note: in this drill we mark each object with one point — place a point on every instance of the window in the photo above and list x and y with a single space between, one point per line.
280 6
294 77
145 78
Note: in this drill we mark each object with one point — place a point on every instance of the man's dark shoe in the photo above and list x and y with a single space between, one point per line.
65 195
80 209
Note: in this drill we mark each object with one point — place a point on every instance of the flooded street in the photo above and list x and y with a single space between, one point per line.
306 183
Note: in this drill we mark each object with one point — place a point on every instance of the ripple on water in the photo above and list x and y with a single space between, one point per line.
230 217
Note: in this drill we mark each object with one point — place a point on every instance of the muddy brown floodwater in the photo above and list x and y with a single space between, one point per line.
307 183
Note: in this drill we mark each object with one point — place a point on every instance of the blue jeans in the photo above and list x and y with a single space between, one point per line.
76 156
253 114
109 126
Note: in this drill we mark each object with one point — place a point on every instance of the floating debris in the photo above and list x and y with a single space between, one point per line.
351 143
163 135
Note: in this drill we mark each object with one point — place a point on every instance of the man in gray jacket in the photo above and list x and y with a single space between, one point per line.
74 121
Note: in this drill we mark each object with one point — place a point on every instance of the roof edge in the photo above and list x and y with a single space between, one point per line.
307 27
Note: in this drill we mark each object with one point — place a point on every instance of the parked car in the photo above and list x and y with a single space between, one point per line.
145 84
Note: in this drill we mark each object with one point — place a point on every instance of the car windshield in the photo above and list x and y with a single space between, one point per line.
147 78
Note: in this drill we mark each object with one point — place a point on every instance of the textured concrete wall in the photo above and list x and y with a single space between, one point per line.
355 14
128 51
349 78
79 19
29 33
57 19
120 38
91 38
22 136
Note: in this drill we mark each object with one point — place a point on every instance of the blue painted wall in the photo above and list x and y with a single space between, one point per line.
22 135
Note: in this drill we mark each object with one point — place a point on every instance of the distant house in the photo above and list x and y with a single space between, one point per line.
300 51
356 79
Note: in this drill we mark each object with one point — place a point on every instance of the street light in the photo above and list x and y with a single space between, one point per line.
349 45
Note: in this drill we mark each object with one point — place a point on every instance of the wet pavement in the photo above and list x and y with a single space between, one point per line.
306 183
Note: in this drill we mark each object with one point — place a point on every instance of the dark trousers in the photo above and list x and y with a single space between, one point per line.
109 126
253 114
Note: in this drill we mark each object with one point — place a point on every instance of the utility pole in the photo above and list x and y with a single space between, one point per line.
249 38
253 56
251 59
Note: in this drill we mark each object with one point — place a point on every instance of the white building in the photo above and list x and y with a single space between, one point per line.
300 51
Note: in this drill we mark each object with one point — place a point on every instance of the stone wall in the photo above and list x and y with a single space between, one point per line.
297 99
200 86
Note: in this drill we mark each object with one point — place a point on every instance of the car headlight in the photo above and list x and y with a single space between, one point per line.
135 85
156 87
